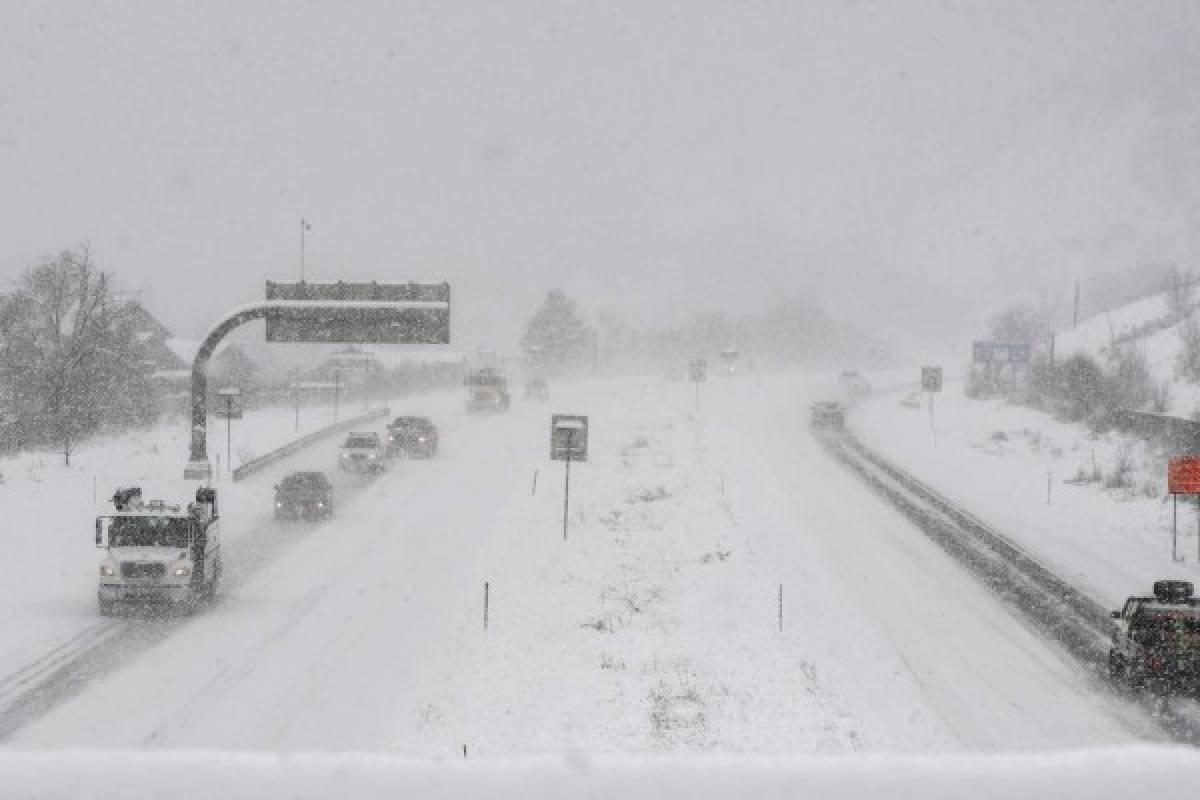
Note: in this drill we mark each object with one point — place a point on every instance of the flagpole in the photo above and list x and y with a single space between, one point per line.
303 225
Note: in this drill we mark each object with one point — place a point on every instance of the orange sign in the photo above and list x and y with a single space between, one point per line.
1183 475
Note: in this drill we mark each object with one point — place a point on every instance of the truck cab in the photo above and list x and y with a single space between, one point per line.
1156 640
487 391
158 553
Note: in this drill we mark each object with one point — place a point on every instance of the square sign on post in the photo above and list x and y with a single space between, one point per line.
1183 475
931 379
697 370
568 437
230 405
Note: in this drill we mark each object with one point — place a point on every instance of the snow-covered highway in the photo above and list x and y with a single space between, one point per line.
654 627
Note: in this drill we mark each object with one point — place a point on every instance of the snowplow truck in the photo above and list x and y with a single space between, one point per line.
158 553
487 390
1156 640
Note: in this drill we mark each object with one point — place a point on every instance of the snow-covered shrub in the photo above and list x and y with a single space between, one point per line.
977 383
1128 384
1080 387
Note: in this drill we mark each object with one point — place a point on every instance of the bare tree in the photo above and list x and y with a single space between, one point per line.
1188 363
71 358
1178 290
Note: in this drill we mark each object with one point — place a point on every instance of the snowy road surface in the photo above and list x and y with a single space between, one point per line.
654 627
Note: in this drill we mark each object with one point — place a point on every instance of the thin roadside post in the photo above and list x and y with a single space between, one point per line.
567 494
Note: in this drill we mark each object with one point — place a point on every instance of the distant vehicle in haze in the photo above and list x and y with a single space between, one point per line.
729 357
1156 641
362 452
537 389
828 416
156 552
854 383
487 390
415 437
304 495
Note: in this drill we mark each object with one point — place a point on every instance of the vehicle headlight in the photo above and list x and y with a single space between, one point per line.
420 438
345 455
183 570
279 504
320 504
108 570
372 455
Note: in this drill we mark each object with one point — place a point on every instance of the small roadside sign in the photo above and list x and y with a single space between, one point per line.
230 406
931 379
697 370
1183 475
568 437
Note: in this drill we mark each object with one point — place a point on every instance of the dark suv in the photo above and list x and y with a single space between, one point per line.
829 416
1156 643
307 495
415 437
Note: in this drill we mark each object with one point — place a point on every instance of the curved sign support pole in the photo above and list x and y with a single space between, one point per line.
198 467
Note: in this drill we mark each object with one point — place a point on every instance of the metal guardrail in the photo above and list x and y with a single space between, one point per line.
255 464
1078 622
1180 436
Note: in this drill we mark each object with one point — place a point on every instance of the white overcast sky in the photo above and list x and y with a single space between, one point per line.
911 164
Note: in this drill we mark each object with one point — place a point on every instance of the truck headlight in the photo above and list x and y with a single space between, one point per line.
107 570
183 570
421 439
279 504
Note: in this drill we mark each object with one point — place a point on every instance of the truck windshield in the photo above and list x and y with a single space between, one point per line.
1174 627
149 532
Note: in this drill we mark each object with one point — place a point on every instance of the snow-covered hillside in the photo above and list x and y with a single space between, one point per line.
1148 326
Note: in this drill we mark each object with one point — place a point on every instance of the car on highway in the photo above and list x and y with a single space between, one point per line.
827 416
414 437
1156 640
304 495
362 452
854 383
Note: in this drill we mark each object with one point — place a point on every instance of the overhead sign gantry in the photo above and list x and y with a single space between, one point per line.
323 313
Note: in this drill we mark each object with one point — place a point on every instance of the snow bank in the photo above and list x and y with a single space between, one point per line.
1135 772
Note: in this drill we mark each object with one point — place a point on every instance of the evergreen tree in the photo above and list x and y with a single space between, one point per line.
556 338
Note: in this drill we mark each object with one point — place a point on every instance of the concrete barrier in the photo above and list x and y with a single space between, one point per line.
255 464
